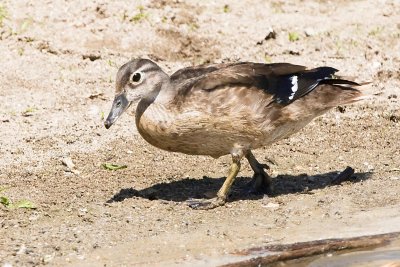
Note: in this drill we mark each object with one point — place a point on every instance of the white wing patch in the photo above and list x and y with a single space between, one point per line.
295 86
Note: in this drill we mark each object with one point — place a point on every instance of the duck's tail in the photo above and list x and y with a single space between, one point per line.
330 93
345 91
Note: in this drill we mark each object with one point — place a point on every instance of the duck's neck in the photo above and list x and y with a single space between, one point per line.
162 94
153 117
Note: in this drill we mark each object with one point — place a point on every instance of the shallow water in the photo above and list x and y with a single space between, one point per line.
388 255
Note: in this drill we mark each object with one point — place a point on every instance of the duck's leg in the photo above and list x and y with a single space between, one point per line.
261 182
222 195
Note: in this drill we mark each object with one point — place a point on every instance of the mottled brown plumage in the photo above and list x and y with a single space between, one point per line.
225 109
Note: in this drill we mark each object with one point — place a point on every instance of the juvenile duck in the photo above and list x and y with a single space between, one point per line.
223 109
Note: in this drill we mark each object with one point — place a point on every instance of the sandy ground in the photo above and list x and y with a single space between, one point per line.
58 64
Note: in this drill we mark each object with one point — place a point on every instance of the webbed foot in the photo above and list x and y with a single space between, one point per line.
259 184
222 195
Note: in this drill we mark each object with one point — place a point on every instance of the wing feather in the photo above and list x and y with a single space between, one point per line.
283 81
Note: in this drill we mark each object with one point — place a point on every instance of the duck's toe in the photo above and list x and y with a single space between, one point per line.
205 204
260 184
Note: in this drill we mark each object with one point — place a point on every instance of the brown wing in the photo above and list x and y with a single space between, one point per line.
195 72
252 74
284 82
243 74
210 77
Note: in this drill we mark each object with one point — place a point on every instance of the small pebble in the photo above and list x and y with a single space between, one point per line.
21 250
376 64
369 166
82 212
47 258
67 161
309 32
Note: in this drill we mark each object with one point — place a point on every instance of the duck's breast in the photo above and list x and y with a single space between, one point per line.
207 122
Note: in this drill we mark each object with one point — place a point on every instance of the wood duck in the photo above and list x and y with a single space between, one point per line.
223 109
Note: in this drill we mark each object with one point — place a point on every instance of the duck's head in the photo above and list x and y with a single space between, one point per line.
136 79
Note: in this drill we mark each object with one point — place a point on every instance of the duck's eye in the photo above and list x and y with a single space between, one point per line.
136 77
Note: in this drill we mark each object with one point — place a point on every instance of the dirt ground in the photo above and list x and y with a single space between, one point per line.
58 64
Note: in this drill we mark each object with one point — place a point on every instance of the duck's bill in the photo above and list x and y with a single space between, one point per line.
119 105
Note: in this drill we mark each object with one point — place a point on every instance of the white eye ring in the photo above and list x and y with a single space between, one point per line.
136 77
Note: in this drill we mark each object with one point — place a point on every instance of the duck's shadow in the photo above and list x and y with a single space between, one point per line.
187 188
